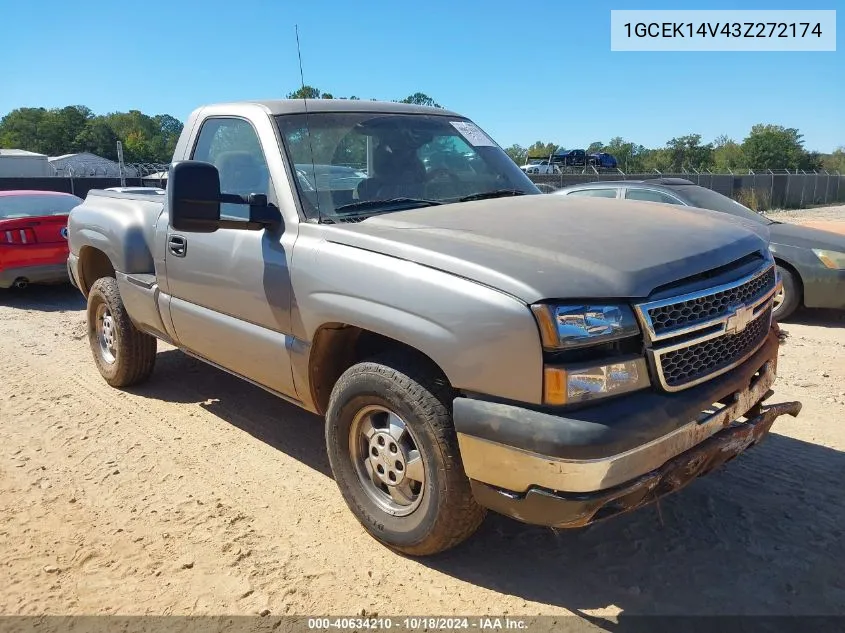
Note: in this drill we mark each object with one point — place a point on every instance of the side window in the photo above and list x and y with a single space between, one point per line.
232 146
594 193
649 195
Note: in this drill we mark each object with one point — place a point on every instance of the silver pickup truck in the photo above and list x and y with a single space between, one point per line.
471 343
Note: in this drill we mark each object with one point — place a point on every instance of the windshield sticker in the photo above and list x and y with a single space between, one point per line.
472 133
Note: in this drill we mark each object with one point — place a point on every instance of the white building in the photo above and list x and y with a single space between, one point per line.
19 163
86 164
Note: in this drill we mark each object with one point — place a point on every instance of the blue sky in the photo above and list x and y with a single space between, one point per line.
539 71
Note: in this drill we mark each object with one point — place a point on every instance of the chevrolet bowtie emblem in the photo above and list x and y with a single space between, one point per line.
739 320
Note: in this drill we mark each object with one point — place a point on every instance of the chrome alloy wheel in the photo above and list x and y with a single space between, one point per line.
387 460
106 336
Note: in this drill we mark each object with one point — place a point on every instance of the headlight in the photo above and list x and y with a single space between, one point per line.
571 326
567 385
831 259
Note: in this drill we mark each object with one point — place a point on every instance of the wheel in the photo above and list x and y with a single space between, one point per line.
394 455
124 355
788 298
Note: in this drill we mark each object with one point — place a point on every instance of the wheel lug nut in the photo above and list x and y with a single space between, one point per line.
393 448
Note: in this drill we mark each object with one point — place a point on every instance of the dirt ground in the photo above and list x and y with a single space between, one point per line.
197 493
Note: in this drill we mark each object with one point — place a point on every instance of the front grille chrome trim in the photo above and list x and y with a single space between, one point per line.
660 344
655 359
642 309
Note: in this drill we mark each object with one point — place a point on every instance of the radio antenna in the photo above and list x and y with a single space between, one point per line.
308 127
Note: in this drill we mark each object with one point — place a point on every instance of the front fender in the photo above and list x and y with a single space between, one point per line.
484 340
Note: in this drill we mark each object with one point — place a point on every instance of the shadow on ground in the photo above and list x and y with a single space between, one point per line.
819 318
763 535
46 298
287 428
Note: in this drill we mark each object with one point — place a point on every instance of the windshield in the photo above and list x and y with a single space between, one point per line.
715 201
358 163
33 205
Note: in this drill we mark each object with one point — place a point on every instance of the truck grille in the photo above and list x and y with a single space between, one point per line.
688 364
694 337
700 309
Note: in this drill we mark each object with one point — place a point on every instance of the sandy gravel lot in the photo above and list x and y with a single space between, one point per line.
199 494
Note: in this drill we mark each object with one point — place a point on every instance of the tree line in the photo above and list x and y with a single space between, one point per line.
152 139
145 138
310 92
765 147
75 128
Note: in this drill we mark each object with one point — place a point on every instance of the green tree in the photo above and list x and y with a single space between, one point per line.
649 160
595 147
22 128
98 138
835 161
687 152
775 147
305 92
727 154
539 149
422 99
518 154
628 155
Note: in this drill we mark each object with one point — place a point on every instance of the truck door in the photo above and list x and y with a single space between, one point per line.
231 290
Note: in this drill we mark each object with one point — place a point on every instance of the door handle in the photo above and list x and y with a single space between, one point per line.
178 245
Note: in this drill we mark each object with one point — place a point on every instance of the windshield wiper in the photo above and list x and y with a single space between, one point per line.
497 193
377 204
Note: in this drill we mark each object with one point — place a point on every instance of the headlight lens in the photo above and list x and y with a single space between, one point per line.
567 385
831 259
571 326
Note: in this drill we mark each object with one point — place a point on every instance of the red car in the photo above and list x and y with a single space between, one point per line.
33 237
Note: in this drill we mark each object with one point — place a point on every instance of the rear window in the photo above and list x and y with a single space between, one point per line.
25 206
650 195
593 193
715 201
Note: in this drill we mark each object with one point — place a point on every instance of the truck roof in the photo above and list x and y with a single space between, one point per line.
297 106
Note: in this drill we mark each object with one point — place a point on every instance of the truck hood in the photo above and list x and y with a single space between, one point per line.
539 247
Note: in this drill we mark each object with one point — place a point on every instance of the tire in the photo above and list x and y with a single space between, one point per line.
790 301
446 513
130 357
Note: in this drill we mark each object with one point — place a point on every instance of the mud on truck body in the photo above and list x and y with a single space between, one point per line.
471 343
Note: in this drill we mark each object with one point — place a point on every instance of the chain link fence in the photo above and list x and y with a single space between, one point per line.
110 169
761 190
80 177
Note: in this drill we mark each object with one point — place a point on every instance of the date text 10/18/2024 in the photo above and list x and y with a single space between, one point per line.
483 623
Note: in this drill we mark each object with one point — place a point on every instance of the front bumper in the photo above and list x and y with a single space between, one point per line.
824 288
519 458
561 510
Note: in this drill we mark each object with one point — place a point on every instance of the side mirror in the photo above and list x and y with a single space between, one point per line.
193 190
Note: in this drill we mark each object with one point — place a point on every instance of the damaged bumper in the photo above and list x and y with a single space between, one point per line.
571 469
545 507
